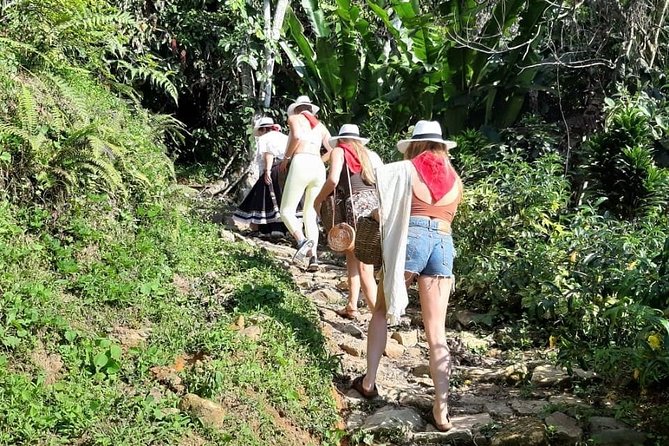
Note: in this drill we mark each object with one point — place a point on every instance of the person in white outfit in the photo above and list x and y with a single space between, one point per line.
306 176
260 207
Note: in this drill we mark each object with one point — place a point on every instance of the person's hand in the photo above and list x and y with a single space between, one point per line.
284 165
268 178
375 214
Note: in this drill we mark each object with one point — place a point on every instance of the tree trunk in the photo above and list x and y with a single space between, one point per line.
272 38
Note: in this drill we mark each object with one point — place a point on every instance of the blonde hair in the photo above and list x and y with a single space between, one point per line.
367 173
416 148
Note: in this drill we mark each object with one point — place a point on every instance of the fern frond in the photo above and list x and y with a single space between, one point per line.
74 97
155 77
27 111
112 151
16 47
107 173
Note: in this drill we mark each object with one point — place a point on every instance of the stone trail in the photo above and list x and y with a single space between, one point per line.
497 398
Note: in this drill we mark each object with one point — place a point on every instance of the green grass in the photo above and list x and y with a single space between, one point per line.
69 281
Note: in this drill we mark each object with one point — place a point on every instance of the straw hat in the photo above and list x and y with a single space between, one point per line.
348 131
426 131
302 100
264 123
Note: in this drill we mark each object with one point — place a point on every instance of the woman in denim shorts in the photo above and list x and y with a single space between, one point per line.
424 194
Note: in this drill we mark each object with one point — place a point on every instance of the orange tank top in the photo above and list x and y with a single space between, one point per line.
420 208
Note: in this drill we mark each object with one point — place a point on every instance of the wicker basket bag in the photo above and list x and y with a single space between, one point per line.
368 241
341 237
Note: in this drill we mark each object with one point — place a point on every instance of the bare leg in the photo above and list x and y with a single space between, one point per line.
353 282
377 336
369 287
434 293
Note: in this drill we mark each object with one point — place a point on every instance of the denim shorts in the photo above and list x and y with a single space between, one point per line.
430 251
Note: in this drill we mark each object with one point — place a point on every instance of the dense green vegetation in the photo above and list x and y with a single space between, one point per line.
97 242
561 114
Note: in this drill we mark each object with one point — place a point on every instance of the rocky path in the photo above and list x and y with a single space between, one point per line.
497 397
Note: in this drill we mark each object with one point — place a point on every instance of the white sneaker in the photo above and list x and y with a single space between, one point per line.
302 250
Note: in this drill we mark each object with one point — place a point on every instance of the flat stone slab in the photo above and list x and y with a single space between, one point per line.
528 407
566 429
521 432
619 437
391 418
548 375
465 429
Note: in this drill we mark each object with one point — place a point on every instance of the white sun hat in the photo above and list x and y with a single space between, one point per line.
426 131
302 100
348 131
264 123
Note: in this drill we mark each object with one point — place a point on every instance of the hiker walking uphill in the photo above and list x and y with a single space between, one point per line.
418 200
306 176
351 173
260 207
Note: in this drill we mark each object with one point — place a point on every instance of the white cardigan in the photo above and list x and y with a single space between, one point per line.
393 183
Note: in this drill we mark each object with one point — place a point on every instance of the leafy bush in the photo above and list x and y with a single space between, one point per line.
596 282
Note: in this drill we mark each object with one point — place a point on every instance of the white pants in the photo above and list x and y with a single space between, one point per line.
306 176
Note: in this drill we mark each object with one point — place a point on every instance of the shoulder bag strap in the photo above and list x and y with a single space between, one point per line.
350 195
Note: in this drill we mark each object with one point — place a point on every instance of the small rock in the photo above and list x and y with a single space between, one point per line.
585 375
351 329
548 376
566 400
415 352
473 342
253 332
465 317
342 285
498 409
567 431
168 377
516 373
422 371
418 400
465 430
393 349
229 236
392 419
326 296
209 413
406 338
352 347
521 432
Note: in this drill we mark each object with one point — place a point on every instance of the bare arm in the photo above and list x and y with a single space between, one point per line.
294 139
336 165
326 143
269 160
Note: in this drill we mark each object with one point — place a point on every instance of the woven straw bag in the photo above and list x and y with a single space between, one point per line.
341 237
368 241
331 212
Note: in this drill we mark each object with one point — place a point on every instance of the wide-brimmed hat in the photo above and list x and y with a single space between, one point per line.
348 131
426 131
302 100
264 123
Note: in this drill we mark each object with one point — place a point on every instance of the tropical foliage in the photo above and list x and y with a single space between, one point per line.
115 301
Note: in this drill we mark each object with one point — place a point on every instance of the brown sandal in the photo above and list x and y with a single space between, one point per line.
443 427
358 387
347 314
